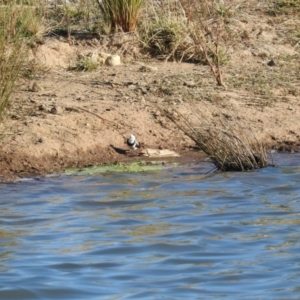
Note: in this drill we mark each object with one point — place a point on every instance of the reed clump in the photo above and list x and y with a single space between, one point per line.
230 145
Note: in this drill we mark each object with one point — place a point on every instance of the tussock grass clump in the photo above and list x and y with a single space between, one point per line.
164 31
121 14
19 25
289 7
66 17
190 30
230 146
167 40
85 63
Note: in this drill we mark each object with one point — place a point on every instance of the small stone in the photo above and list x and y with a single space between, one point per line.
189 84
15 117
113 60
35 87
131 86
41 107
143 90
146 68
57 110
271 63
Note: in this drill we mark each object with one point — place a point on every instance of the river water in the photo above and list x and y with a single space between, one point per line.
177 233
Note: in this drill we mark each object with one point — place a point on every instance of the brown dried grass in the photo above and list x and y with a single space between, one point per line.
19 26
121 15
231 146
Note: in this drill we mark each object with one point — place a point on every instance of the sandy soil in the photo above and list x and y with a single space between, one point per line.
64 118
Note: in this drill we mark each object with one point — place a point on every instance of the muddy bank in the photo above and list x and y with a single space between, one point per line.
65 119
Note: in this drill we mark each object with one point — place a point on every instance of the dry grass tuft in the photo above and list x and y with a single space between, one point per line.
230 146
19 26
121 15
287 7
85 64
164 32
190 30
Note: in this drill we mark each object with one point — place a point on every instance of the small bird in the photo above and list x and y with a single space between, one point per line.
132 142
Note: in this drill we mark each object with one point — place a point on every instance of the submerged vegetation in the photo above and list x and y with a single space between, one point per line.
134 167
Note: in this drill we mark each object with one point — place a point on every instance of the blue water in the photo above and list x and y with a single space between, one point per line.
177 233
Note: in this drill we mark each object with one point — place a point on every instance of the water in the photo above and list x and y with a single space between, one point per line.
179 233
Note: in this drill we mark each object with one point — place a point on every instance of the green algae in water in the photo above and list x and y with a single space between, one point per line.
134 167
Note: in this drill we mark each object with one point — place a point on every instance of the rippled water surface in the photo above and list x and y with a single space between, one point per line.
176 233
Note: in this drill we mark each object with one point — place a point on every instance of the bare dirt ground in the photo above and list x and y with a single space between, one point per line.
64 118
